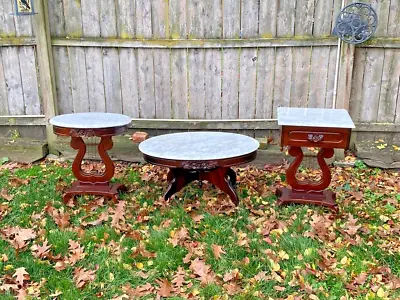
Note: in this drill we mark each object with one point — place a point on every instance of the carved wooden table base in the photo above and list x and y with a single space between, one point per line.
305 191
223 178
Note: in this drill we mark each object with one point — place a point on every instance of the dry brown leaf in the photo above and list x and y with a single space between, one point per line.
60 217
179 278
20 275
41 251
118 214
232 288
4 194
76 252
83 276
217 251
139 291
165 288
101 218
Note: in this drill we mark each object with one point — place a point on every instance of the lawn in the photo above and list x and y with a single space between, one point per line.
198 245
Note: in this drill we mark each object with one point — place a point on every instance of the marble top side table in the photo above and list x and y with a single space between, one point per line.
200 156
84 125
312 127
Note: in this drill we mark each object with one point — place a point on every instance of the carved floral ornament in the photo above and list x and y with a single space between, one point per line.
199 165
82 132
315 137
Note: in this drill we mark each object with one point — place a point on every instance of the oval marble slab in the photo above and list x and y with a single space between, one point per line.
89 120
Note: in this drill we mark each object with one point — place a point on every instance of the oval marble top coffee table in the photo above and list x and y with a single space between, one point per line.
83 125
200 156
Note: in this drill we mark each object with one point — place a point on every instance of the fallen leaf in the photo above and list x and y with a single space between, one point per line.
21 275
217 251
83 276
165 288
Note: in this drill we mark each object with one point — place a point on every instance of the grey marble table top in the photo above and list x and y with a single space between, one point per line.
201 145
314 117
93 120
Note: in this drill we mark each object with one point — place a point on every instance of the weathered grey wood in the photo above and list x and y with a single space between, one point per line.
382 9
160 18
196 79
112 81
179 84
213 84
213 19
178 19
300 76
230 84
346 65
63 80
77 64
7 26
95 79
318 77
17 41
196 11
108 19
357 84
283 78
56 17
389 92
304 19
231 15
27 60
323 18
23 24
249 18
129 82
286 18
126 19
371 85
147 104
267 18
13 80
3 90
38 120
214 43
265 83
91 18
73 18
393 28
331 77
162 83
143 19
247 83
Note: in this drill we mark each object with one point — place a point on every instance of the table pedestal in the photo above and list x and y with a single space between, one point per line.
222 177
89 183
305 191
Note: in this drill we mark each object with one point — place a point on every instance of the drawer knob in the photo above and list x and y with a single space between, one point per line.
313 137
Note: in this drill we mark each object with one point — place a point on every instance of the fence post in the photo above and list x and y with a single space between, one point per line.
46 68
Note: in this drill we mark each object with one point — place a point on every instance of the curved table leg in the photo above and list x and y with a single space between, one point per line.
305 191
178 178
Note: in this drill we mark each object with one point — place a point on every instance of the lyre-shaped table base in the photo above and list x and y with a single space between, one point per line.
305 191
93 184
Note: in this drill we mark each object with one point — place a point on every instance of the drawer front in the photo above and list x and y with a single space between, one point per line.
316 138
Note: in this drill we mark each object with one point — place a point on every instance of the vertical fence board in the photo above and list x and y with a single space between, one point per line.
382 10
265 83
73 18
63 80
318 76
331 77
304 18
213 19
77 63
112 80
162 83
196 68
160 17
323 18
249 18
126 19
129 82
3 90
7 26
178 19
393 29
357 86
247 83
213 84
267 18
196 24
29 80
12 77
56 18
283 78
286 18
230 84
300 76
371 85
91 18
231 15
179 84
389 87
23 24
108 21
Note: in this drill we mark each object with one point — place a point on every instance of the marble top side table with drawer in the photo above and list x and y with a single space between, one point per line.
327 129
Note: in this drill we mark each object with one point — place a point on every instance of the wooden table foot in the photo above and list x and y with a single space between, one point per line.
107 190
321 198
223 178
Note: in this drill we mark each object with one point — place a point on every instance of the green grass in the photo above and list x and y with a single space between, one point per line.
293 261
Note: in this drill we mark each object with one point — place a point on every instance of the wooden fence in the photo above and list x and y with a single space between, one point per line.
205 60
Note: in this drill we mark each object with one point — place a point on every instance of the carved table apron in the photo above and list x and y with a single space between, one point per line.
89 183
327 139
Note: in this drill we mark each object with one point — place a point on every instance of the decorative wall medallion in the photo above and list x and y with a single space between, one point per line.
199 165
24 7
313 137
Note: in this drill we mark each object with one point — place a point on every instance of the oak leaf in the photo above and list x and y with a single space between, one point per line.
165 288
83 276
138 291
102 217
118 214
41 251
179 278
21 275
217 251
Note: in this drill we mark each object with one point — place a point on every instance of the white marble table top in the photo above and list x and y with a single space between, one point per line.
90 120
314 117
201 145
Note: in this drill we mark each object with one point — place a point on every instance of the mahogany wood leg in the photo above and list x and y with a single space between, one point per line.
90 183
177 179
306 191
